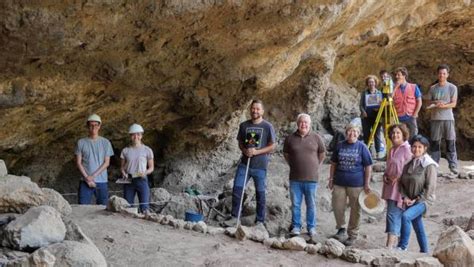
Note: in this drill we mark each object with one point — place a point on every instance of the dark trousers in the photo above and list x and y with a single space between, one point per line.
367 124
138 186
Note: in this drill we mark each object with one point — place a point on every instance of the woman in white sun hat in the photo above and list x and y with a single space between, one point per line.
137 164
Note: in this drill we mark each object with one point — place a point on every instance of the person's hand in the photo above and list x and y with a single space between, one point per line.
386 180
364 114
250 152
367 189
330 184
393 180
415 115
124 175
408 202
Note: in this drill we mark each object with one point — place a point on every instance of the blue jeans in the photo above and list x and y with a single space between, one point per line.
259 177
413 216
307 189
394 218
140 187
100 192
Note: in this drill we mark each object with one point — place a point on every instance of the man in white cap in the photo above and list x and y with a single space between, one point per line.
92 159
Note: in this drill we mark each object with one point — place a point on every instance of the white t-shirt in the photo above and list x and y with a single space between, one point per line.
137 159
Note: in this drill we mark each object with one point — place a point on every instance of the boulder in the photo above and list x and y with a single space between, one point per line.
179 204
428 262
313 249
18 194
12 256
177 223
470 225
200 227
230 231
57 201
166 220
455 248
278 243
72 253
189 225
38 227
117 204
268 242
42 258
332 248
352 255
75 233
470 233
159 195
3 168
366 259
386 260
295 243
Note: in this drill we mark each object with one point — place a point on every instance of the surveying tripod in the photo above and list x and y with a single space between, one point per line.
387 110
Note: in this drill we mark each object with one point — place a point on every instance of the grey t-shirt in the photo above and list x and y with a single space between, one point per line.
93 154
444 93
137 159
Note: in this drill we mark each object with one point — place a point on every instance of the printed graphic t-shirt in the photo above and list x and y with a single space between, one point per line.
257 136
351 160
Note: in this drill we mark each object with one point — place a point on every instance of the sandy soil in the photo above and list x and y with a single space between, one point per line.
126 241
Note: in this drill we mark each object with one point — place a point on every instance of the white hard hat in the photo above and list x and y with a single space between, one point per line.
135 128
94 117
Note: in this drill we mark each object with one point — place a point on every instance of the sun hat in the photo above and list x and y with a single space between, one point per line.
371 203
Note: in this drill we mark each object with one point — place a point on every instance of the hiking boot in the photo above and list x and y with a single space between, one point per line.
230 223
350 241
454 169
340 235
295 232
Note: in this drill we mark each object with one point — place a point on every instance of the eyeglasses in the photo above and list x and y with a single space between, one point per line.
90 125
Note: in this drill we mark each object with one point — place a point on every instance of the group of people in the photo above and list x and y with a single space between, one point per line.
409 179
93 158
407 100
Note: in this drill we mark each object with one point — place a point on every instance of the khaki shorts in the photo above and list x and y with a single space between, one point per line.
443 129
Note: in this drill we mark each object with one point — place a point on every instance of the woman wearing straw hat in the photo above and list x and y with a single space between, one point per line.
417 187
137 163
399 155
351 168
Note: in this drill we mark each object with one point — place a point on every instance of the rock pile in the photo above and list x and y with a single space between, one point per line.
34 229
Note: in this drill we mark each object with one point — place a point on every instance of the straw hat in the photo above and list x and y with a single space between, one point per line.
371 203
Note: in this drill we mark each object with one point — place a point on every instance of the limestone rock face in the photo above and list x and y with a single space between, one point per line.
72 253
18 194
455 248
38 227
195 65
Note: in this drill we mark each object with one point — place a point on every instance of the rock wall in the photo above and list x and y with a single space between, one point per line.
186 70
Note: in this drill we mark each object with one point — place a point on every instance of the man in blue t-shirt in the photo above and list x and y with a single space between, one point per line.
256 141
92 159
351 168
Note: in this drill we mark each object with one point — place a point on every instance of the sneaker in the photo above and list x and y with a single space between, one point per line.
340 235
350 241
312 232
453 169
401 249
260 226
230 223
295 232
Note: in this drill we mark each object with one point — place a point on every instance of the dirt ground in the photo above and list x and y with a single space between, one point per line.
126 241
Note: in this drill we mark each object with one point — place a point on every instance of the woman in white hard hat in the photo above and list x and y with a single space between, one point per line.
137 163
